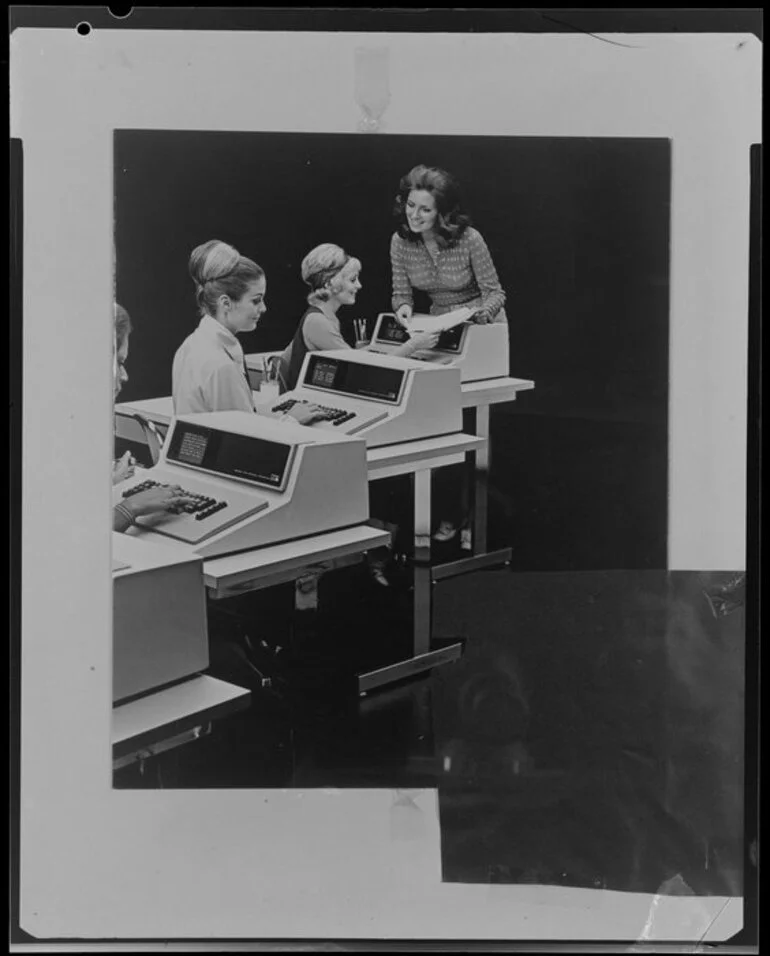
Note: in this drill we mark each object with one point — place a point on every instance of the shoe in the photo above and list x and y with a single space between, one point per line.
377 574
446 531
466 539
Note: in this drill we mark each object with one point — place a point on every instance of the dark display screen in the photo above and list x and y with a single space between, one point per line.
394 333
355 378
237 456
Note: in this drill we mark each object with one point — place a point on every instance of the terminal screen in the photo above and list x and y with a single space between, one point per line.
192 447
451 340
391 331
355 378
225 453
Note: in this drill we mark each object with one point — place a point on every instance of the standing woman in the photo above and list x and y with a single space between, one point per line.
209 372
437 251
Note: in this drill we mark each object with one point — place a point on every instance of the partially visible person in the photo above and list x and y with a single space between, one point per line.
436 251
333 278
209 372
152 501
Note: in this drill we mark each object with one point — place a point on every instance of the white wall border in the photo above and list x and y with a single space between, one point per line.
98 863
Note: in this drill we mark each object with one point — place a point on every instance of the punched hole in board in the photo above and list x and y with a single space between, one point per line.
83 28
121 10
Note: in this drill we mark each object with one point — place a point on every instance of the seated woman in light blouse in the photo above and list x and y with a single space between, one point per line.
436 251
334 280
209 371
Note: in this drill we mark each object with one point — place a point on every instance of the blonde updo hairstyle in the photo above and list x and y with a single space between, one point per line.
322 268
218 269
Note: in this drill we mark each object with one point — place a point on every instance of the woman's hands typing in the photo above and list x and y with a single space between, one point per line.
306 414
159 500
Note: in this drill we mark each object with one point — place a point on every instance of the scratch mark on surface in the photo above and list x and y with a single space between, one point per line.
713 921
563 23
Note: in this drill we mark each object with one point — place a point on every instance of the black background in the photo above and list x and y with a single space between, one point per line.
578 230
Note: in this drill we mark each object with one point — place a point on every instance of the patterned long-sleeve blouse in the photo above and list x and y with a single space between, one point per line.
462 274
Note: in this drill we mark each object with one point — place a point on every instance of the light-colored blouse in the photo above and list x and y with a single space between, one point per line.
209 372
462 274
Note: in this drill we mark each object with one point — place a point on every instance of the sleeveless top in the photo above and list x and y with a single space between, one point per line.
290 369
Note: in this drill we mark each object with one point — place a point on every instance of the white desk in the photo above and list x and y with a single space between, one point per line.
159 410
278 564
162 720
416 458
493 391
168 718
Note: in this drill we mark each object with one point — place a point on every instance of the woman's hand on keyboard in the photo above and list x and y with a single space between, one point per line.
306 414
160 500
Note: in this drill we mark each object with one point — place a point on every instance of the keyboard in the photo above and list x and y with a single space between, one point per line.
201 506
337 416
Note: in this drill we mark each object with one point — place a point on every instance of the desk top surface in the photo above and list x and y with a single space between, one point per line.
194 699
220 572
422 451
488 391
494 391
408 453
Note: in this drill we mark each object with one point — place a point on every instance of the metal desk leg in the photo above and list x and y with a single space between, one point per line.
481 557
421 483
423 658
481 489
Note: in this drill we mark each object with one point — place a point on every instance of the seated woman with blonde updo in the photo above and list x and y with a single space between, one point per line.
334 280
209 372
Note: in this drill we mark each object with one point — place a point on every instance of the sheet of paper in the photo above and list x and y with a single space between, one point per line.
439 323
119 565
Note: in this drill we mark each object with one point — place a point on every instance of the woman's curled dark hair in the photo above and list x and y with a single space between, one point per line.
451 221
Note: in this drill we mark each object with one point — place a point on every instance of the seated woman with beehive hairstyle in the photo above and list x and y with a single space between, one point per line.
209 371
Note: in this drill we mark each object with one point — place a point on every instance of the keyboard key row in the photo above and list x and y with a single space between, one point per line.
337 416
202 505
